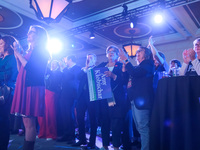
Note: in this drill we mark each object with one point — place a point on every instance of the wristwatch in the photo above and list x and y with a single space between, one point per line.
126 61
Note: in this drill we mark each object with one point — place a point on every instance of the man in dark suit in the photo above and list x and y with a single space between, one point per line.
84 104
70 85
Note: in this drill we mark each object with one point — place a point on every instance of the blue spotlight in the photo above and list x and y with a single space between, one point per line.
131 25
158 18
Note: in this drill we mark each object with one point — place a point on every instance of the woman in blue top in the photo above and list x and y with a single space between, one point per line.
8 74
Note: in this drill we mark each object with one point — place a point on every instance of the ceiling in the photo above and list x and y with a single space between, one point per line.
104 17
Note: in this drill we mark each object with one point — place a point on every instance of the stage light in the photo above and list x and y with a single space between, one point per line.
125 10
92 36
133 21
158 18
50 10
131 25
54 46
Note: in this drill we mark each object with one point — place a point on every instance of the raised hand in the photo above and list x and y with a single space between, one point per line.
151 42
192 54
186 57
123 55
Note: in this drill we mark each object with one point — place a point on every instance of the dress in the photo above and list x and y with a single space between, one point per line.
29 99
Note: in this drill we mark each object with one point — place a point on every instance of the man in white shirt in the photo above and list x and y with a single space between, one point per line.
191 60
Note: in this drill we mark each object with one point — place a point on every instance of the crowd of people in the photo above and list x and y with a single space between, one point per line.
43 93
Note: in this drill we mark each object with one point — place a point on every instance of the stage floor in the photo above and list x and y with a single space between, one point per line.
16 143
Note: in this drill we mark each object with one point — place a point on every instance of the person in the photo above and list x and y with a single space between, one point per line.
113 110
8 75
48 123
68 96
175 66
159 62
191 58
28 100
140 90
83 104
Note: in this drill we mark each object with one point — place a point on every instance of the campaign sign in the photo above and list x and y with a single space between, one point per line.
99 84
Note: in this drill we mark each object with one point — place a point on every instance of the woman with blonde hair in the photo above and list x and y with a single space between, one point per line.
28 100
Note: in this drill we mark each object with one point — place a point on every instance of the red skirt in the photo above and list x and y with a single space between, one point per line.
47 123
27 101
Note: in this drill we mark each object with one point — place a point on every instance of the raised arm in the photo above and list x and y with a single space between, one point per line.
155 52
19 58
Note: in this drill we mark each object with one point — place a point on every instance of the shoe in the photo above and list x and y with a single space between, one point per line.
21 133
49 139
90 146
79 143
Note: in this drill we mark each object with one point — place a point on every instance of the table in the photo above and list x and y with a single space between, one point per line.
175 120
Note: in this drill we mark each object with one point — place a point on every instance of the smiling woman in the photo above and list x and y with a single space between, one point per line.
113 109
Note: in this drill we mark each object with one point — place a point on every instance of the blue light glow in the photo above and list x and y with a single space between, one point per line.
54 46
158 18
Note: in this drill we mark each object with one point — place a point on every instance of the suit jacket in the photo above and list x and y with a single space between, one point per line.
118 87
83 88
70 82
141 90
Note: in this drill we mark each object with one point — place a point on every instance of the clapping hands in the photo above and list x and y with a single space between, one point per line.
188 55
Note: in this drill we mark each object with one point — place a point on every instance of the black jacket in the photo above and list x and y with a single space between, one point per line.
36 67
118 87
141 91
70 82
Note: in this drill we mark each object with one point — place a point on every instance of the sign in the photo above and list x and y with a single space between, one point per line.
99 84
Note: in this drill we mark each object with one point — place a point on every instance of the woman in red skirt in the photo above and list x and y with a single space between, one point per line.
28 100
47 123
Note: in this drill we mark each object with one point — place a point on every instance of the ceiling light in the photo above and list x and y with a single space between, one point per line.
50 10
158 18
133 22
131 49
92 36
